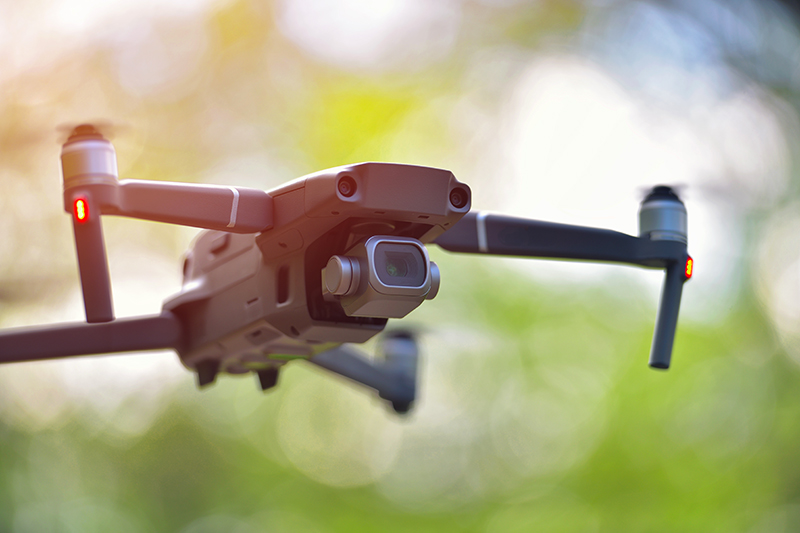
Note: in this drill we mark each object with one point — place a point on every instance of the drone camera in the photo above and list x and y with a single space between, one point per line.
383 277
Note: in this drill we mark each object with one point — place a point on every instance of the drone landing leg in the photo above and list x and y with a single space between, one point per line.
68 340
92 262
395 379
268 378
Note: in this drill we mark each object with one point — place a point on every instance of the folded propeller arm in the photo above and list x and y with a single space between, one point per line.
38 343
662 244
394 378
92 188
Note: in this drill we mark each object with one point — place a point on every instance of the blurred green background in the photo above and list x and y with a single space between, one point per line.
537 409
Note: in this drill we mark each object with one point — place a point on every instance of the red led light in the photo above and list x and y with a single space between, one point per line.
81 210
689 267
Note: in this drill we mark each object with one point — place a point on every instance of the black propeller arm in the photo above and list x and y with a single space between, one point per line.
481 232
395 378
155 332
667 318
662 245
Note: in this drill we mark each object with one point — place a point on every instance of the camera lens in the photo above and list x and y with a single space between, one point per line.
400 265
459 197
396 265
347 186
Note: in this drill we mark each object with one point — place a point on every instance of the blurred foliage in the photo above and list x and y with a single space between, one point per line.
537 410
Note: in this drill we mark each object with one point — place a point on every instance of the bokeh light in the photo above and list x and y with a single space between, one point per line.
536 409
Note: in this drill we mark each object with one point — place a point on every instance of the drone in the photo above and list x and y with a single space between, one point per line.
308 269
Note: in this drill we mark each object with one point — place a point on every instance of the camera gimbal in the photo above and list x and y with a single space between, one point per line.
303 270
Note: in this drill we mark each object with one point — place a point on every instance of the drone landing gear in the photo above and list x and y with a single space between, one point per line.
395 378
268 378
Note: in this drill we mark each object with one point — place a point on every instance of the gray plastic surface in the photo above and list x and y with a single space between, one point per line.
663 220
394 378
255 286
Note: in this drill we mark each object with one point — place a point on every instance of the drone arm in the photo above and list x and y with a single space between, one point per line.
667 318
69 340
92 263
89 166
352 365
503 235
491 234
231 209
395 379
91 188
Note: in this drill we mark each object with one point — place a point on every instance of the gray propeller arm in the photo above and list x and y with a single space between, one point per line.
154 332
662 244
92 189
395 378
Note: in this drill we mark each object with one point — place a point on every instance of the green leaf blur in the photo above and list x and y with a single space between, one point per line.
537 409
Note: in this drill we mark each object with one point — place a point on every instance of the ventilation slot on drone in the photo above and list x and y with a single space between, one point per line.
282 288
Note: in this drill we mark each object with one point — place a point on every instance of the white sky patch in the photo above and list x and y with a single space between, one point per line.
77 17
148 60
34 34
371 33
122 393
576 148
776 275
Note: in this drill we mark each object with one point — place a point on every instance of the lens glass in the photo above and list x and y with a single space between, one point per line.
397 264
400 264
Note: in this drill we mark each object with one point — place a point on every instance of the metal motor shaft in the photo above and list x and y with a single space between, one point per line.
662 216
